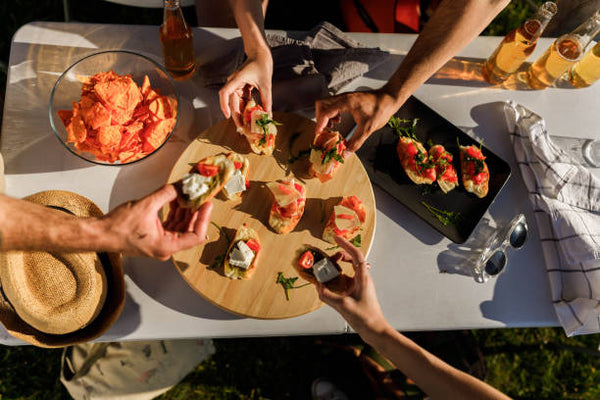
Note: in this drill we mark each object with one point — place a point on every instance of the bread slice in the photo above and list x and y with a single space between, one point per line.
326 154
224 173
415 161
446 176
240 163
259 129
474 171
284 218
351 213
244 233
337 284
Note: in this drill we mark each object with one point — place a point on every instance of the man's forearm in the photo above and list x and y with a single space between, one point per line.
453 26
29 226
438 379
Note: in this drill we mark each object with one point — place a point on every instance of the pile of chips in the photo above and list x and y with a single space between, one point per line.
116 120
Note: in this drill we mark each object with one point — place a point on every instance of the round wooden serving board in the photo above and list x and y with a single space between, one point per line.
260 296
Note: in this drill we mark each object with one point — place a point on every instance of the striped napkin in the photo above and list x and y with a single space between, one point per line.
566 201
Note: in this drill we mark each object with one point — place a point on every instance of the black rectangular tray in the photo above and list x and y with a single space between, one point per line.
380 159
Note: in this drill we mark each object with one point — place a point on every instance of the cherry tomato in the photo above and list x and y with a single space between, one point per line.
237 164
306 260
208 169
474 152
253 245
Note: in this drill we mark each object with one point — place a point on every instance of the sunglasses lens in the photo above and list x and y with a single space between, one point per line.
495 264
518 235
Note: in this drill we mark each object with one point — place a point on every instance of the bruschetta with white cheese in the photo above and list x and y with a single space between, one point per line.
259 128
474 170
238 183
345 220
326 154
313 265
204 181
241 258
288 205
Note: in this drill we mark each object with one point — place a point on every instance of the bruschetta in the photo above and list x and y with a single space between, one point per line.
474 170
415 161
314 266
241 258
345 220
326 154
204 181
444 169
238 183
259 128
288 205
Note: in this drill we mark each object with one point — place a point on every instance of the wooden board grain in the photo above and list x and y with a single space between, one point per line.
260 296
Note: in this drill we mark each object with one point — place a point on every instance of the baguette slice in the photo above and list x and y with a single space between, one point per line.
415 161
224 172
337 284
345 220
241 164
244 233
474 170
288 205
326 154
445 172
259 129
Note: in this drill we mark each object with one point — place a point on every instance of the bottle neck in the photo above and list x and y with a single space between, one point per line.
172 4
535 26
588 30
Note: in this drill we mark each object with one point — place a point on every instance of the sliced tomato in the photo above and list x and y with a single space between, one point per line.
341 147
253 245
345 216
208 169
247 184
270 140
474 152
288 211
285 189
340 231
237 164
248 113
299 187
306 260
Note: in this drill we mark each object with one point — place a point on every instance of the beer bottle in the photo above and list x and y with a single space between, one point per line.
564 52
177 41
586 71
517 45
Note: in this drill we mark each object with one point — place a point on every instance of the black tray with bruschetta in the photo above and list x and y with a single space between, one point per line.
454 214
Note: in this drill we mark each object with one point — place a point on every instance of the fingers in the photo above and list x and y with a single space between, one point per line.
195 236
162 196
202 219
328 109
355 254
357 139
266 98
224 98
234 105
327 296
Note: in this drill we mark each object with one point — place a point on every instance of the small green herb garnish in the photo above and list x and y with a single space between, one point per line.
288 284
402 129
356 241
263 122
333 153
444 216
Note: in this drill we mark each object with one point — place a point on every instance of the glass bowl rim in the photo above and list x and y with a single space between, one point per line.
129 52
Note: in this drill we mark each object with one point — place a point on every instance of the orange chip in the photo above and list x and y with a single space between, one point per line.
65 116
156 133
76 130
109 136
94 113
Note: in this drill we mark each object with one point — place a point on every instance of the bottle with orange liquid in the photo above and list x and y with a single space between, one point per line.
564 52
177 41
517 45
586 71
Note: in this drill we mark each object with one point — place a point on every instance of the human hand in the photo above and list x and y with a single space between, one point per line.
255 73
371 110
135 228
358 304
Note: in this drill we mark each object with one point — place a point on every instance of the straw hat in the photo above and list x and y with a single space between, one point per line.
59 299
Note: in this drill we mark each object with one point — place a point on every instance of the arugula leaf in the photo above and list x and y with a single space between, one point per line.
356 241
400 126
288 284
263 122
444 216
332 153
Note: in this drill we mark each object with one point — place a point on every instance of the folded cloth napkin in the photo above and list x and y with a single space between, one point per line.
566 201
305 66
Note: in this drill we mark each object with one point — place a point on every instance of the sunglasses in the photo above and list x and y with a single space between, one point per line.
493 258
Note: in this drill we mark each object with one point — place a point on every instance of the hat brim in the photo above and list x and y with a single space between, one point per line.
113 305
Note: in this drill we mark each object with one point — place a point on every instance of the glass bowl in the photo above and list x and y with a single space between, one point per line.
68 89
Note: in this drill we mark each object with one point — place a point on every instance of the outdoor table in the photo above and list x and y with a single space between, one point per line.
409 257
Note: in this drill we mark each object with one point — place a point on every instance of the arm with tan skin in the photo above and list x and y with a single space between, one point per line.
359 306
133 228
257 70
454 25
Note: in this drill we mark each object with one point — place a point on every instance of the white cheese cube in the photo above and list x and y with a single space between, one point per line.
195 185
241 256
236 184
325 270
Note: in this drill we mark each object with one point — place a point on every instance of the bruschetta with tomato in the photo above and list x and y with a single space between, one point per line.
259 128
474 170
314 266
345 220
241 258
415 161
444 169
326 154
238 183
288 205
204 181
